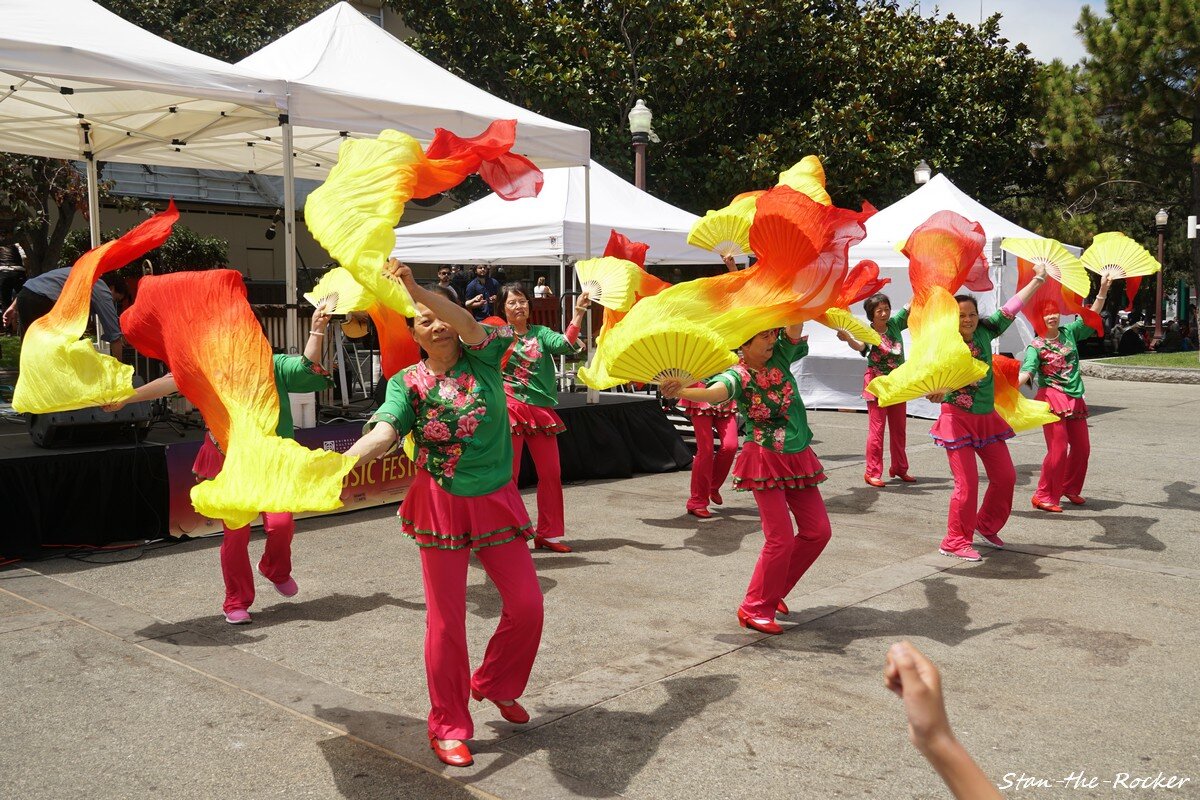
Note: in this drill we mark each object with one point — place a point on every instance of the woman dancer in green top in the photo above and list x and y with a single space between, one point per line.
531 384
1053 358
463 500
969 426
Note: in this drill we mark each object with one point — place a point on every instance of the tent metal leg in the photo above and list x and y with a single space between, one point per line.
93 193
593 396
289 235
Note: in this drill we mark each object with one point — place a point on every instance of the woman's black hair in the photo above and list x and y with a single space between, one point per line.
966 298
873 302
516 287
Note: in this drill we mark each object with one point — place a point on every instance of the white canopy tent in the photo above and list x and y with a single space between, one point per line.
87 85
831 376
82 83
552 228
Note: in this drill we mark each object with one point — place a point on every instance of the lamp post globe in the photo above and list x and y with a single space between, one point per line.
922 173
1160 224
640 118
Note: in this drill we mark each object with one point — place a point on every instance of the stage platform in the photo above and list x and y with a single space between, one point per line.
100 494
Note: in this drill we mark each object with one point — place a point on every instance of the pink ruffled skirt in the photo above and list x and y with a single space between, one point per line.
956 427
209 460
758 469
531 420
1062 405
433 517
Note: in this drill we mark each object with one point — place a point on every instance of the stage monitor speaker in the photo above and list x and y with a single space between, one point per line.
90 426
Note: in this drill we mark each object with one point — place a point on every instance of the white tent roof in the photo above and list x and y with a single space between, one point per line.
540 230
831 376
80 79
345 73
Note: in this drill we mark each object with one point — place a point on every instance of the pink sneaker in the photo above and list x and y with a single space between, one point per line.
239 616
288 588
993 539
959 549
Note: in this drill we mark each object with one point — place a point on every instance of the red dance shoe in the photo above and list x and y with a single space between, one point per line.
1076 500
782 608
763 625
513 712
458 756
1051 507
554 547
715 497
904 476
873 481
702 513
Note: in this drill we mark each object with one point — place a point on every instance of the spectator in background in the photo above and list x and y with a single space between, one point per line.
480 297
542 289
12 270
39 294
444 281
459 278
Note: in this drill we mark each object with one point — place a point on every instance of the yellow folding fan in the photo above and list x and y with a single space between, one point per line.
340 292
666 348
1060 263
842 320
725 231
1118 255
611 282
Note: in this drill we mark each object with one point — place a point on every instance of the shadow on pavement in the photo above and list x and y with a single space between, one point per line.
944 619
330 608
607 753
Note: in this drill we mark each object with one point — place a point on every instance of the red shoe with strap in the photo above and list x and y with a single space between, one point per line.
782 608
873 481
1076 500
763 625
513 712
457 756
904 476
1053 508
701 513
554 547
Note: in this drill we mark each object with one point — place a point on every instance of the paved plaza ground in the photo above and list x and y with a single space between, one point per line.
1073 651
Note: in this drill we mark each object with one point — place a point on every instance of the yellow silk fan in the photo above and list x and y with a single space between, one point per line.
667 348
340 292
1118 255
1059 262
725 231
1014 408
609 281
842 320
807 177
939 360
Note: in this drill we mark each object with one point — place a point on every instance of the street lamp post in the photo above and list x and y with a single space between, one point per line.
1160 223
639 126
922 173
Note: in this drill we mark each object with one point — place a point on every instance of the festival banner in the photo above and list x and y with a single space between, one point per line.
379 482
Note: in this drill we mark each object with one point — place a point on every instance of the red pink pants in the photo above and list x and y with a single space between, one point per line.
788 552
1065 465
894 418
544 450
964 518
276 563
512 648
709 471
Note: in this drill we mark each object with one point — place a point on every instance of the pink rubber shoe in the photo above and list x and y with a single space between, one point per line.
993 539
239 616
288 588
959 549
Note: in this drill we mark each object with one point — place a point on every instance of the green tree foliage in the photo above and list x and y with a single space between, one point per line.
743 90
228 30
40 196
1123 129
184 250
